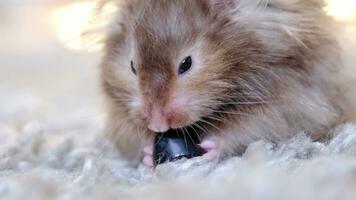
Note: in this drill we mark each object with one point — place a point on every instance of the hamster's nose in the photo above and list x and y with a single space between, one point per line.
158 122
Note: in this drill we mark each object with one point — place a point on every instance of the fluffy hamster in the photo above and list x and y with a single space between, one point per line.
236 71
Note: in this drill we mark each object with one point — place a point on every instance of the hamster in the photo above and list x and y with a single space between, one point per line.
234 71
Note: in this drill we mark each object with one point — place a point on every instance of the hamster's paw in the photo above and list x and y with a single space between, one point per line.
211 150
148 156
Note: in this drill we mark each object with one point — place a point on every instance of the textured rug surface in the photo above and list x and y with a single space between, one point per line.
57 153
52 145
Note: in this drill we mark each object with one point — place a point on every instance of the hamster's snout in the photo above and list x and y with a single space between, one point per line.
158 121
173 114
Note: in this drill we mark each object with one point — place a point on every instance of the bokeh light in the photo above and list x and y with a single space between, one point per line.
343 10
75 24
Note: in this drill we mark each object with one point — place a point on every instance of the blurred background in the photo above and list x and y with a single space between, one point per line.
49 70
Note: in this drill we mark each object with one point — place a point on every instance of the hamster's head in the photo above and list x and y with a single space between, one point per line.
172 64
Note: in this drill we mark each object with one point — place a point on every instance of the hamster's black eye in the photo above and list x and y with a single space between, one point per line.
133 68
185 65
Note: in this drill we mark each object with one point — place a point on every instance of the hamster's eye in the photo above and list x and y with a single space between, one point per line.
133 68
185 65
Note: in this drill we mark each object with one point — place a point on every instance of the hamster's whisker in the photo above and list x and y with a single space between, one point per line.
185 137
195 132
220 119
214 118
121 100
240 95
201 128
244 97
190 137
233 113
212 125
159 140
246 103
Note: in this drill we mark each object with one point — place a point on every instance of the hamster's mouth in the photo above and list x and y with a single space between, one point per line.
188 132
204 126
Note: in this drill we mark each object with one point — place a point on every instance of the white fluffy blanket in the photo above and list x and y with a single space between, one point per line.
65 157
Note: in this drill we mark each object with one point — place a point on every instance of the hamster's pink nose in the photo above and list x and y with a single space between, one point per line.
158 122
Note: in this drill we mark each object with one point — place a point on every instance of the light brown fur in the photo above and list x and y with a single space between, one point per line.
264 70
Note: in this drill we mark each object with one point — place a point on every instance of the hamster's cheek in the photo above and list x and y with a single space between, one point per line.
137 111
